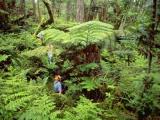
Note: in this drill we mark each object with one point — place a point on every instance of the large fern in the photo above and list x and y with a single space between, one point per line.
22 100
93 32
85 110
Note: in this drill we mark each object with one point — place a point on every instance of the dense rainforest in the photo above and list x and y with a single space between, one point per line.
79 59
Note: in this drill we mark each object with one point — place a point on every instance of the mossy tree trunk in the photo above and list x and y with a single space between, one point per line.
49 21
152 34
80 11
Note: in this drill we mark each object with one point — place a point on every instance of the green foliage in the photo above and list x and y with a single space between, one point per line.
90 83
41 109
55 36
13 41
25 100
85 110
3 57
12 44
87 67
93 32
67 65
63 25
130 93
40 51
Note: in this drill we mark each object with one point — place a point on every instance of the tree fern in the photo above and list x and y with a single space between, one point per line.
93 32
55 36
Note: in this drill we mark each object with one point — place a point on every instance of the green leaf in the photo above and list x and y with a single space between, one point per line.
3 57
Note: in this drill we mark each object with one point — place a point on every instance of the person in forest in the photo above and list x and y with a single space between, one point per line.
41 37
50 53
57 84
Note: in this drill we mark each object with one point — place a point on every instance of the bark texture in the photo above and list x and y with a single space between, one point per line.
80 11
152 34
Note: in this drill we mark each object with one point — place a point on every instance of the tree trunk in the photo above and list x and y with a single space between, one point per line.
117 11
152 34
68 10
38 8
22 7
80 11
34 8
4 16
11 4
59 5
93 10
103 12
49 21
158 15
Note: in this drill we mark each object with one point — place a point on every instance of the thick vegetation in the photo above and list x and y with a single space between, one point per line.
108 58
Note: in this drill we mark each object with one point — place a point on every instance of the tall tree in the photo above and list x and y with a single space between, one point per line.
48 5
4 15
93 10
152 34
68 9
80 11
117 12
38 9
49 9
103 11
34 8
22 7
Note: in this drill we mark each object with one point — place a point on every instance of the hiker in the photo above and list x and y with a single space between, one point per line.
41 37
50 53
57 84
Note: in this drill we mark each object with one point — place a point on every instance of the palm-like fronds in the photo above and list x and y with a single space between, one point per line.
93 32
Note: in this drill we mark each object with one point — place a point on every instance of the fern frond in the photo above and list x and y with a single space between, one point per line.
40 51
85 110
27 101
40 110
3 57
93 32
